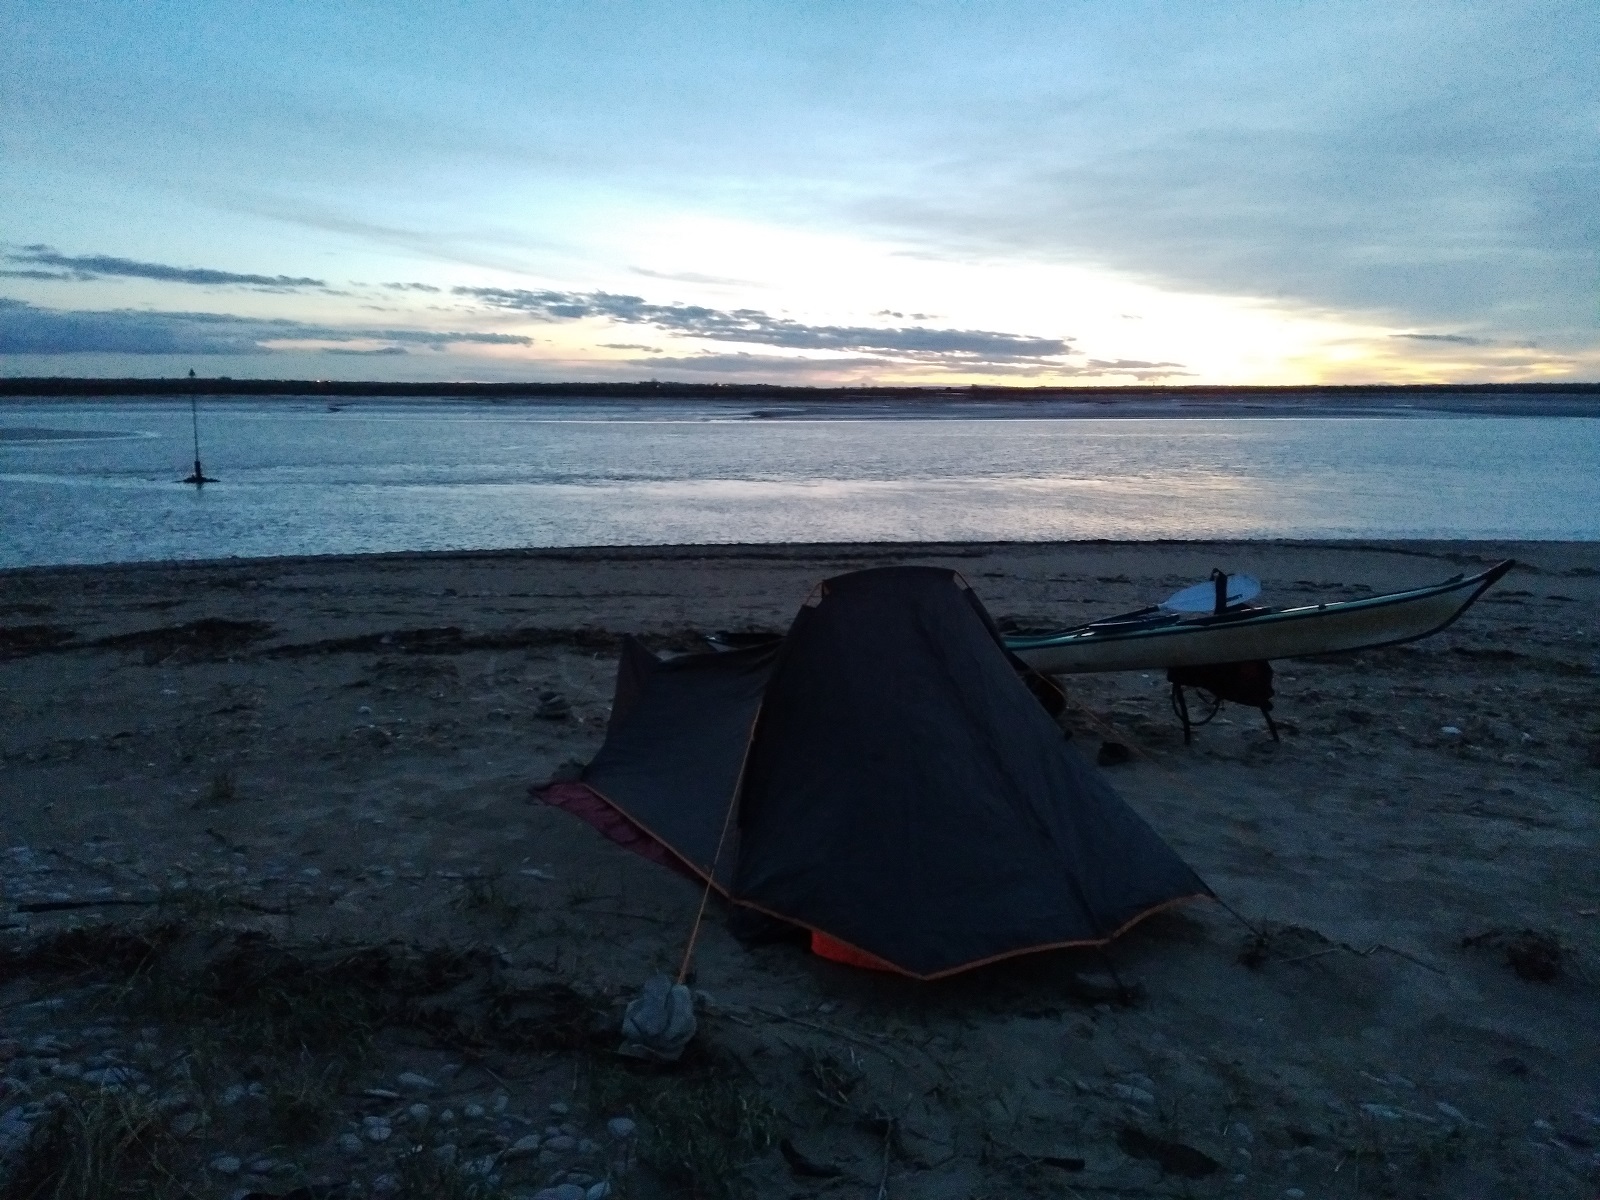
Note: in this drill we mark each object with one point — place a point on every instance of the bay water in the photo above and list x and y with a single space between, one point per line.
97 481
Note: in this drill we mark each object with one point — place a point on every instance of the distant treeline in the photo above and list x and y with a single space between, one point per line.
61 386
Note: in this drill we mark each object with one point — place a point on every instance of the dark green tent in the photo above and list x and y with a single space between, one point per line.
881 776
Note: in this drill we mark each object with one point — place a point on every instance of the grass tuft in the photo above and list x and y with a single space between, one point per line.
700 1127
424 1177
99 1144
302 1098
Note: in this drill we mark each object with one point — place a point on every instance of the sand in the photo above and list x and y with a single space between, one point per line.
348 761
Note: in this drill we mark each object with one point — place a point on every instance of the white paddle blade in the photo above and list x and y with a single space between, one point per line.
1202 597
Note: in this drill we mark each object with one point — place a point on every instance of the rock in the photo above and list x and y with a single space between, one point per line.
560 1109
376 1129
232 1094
480 1166
1382 1112
523 1147
501 1103
599 1191
1450 730
174 1102
553 706
447 1116
1451 1111
419 1113
660 1023
561 1143
411 1081
226 1164
263 1166
1174 1158
1112 754
1135 1095
472 1111
382 1185
446 1153
1294 1194
185 1123
67 1070
621 1127
351 1144
565 1191
588 1146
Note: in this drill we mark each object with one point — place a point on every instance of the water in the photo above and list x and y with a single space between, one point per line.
88 482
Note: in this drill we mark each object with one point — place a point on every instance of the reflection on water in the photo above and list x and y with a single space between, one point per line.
95 482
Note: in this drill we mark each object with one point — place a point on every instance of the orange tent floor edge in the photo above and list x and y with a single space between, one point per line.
851 955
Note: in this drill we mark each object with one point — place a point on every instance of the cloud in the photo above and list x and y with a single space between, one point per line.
756 327
384 350
412 287
868 368
764 365
1455 339
692 277
1436 178
98 266
26 329
38 275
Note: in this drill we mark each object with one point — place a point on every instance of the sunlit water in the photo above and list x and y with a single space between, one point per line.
87 482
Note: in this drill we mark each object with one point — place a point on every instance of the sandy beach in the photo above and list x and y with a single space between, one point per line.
314 774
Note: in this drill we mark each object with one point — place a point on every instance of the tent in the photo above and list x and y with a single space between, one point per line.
882 776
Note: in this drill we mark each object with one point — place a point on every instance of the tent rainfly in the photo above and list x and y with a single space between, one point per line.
883 777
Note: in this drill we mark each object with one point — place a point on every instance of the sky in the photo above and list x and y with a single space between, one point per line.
934 193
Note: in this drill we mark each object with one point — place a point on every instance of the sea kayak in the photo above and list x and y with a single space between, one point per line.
1157 639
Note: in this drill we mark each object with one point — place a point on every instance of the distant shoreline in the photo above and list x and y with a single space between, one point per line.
788 401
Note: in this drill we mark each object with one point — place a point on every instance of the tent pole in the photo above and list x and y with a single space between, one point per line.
711 875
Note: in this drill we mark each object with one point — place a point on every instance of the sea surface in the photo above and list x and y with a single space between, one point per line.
97 481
